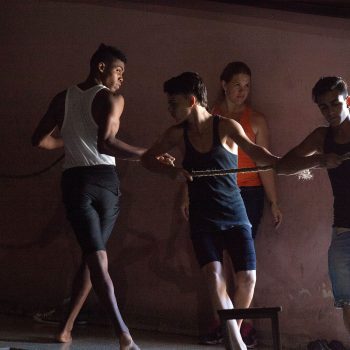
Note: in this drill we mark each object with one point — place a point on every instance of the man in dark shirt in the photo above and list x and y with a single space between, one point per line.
331 96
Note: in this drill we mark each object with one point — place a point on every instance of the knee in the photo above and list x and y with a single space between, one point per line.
214 277
246 279
97 262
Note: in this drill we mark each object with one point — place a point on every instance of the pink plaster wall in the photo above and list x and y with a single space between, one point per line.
45 47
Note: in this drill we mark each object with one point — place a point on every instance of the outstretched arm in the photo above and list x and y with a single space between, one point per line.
171 138
107 110
268 177
260 155
308 154
53 118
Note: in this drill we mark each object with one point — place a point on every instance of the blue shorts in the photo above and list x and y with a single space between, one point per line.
237 241
91 198
339 267
253 198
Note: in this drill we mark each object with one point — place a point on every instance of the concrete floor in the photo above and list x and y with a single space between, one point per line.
22 333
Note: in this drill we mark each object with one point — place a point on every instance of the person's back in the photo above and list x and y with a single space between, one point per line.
88 117
79 130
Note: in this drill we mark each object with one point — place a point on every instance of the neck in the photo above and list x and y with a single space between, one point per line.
234 110
91 80
199 119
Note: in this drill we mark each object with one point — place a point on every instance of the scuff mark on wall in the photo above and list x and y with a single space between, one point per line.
304 291
326 292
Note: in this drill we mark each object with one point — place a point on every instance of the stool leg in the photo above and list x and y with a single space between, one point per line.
275 332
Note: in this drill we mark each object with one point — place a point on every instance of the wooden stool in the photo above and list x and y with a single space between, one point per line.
252 313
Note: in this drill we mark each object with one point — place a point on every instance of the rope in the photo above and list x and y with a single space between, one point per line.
221 172
304 174
33 174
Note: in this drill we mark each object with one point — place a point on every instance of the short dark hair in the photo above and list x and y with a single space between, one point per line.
234 68
326 84
106 54
187 83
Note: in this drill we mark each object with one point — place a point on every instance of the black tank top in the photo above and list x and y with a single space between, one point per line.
215 201
340 180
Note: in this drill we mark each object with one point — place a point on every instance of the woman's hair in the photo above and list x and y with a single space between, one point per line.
234 68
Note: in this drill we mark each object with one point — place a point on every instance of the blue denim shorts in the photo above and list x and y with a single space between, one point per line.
339 267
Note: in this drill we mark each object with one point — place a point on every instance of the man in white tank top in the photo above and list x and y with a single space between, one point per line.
88 116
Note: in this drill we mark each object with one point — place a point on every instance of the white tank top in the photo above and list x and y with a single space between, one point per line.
79 130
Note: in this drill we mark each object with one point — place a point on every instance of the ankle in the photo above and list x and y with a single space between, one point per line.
125 338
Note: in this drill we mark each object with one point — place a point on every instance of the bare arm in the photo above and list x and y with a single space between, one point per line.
308 154
260 155
267 177
107 110
52 119
171 138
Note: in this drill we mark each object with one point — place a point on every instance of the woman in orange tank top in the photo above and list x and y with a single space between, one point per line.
232 103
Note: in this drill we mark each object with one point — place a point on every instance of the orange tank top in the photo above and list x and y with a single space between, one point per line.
244 161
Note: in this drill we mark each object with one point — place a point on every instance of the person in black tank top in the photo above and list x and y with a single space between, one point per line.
326 147
217 216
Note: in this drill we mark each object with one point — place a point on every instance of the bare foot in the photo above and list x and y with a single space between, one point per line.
126 342
64 337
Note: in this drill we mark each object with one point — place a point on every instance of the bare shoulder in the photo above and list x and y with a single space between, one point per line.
228 122
313 142
175 132
104 95
117 98
103 102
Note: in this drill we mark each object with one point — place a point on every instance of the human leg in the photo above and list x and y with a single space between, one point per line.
104 289
80 291
91 197
339 271
346 317
220 299
240 247
208 247
254 199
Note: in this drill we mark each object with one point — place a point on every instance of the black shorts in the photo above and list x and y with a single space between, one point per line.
91 198
253 198
237 241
